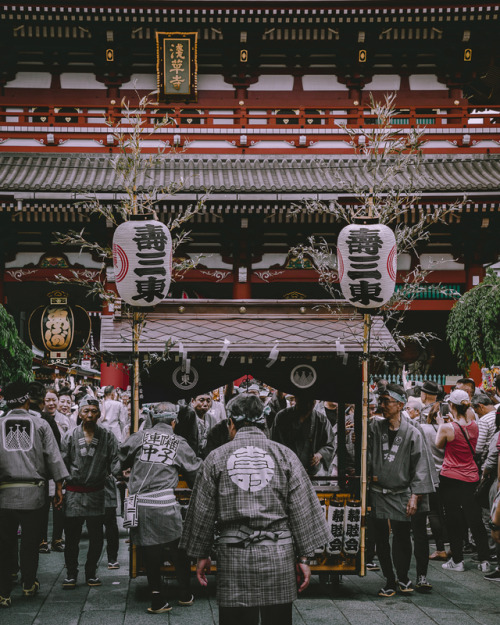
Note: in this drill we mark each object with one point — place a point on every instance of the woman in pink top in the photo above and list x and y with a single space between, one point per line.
458 480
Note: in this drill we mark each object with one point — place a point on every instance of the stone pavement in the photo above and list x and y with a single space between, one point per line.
457 599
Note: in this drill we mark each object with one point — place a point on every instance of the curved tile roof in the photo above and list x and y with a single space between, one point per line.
87 173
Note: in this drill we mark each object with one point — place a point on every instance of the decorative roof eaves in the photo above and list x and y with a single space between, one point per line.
253 10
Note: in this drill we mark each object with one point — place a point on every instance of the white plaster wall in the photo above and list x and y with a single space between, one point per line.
382 82
273 82
141 81
425 82
272 145
219 118
31 80
315 82
26 258
213 82
214 261
268 260
439 262
74 80
404 262
210 144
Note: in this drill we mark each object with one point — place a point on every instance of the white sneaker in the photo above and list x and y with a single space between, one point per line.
451 565
484 566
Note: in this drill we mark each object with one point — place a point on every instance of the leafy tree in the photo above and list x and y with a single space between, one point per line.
15 357
473 328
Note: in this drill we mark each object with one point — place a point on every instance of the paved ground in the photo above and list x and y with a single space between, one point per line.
457 599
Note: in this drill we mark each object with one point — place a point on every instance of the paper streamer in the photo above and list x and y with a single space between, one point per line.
225 352
273 355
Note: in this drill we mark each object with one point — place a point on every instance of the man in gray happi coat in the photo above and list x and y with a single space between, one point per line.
269 519
91 455
156 457
29 457
397 462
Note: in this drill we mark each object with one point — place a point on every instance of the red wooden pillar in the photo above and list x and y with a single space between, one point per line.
242 290
115 374
474 274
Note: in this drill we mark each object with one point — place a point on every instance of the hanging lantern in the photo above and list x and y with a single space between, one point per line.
367 262
142 259
59 329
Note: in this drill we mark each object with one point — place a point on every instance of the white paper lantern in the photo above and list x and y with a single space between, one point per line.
367 263
352 528
142 259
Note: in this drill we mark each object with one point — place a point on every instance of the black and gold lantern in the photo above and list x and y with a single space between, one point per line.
59 329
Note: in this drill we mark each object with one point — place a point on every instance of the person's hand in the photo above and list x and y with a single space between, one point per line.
316 459
58 497
303 576
440 419
411 506
495 534
202 568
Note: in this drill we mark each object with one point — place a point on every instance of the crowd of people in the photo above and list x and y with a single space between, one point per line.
251 455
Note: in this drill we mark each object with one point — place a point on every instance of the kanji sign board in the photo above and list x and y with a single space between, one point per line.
177 66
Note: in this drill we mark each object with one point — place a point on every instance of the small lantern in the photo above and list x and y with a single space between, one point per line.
367 262
59 329
142 258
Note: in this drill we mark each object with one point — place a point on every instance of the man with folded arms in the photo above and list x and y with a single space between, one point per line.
400 470
29 457
90 453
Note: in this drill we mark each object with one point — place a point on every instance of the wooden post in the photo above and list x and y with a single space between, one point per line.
135 390
364 439
135 360
364 421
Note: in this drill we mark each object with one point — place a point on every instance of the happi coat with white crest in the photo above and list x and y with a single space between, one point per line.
29 456
89 465
398 471
157 456
252 485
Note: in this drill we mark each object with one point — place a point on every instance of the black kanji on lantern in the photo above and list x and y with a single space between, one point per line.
351 545
364 292
364 241
352 530
364 247
366 275
150 237
151 271
149 289
337 530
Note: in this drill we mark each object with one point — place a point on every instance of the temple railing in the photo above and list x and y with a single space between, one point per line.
241 127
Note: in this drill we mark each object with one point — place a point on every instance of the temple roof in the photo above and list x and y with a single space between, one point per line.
243 174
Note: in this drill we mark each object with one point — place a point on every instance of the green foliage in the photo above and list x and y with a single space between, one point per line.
473 328
15 357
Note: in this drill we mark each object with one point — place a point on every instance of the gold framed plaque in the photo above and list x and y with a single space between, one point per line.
177 66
